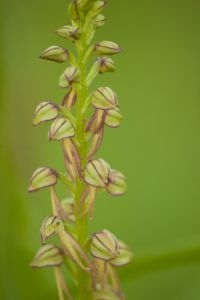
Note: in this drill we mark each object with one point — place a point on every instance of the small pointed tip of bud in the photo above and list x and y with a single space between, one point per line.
30 189
34 122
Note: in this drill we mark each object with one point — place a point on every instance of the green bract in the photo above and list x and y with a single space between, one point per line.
48 256
55 53
69 76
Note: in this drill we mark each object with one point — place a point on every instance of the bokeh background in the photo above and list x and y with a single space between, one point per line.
157 145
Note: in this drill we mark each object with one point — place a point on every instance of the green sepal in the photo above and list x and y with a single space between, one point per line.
104 245
48 256
60 129
107 48
113 118
96 173
45 111
55 53
104 98
43 177
117 183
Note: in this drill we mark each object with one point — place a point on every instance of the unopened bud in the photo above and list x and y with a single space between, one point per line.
125 256
107 47
97 6
117 184
104 98
106 64
45 111
69 76
104 245
73 10
113 118
48 227
97 172
69 32
99 21
48 256
41 178
55 53
60 129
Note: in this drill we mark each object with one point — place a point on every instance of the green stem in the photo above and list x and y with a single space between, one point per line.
81 221
60 291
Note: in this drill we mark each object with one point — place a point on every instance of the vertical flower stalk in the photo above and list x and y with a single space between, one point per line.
78 123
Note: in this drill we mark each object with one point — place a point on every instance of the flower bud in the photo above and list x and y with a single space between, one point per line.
106 64
125 256
73 10
69 32
104 245
99 21
69 76
97 6
55 53
45 111
107 47
104 98
41 178
48 227
97 172
117 183
60 129
48 256
113 118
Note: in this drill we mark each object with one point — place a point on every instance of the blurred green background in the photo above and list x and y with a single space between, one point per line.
157 145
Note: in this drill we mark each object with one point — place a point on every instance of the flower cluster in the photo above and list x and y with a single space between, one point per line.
79 124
